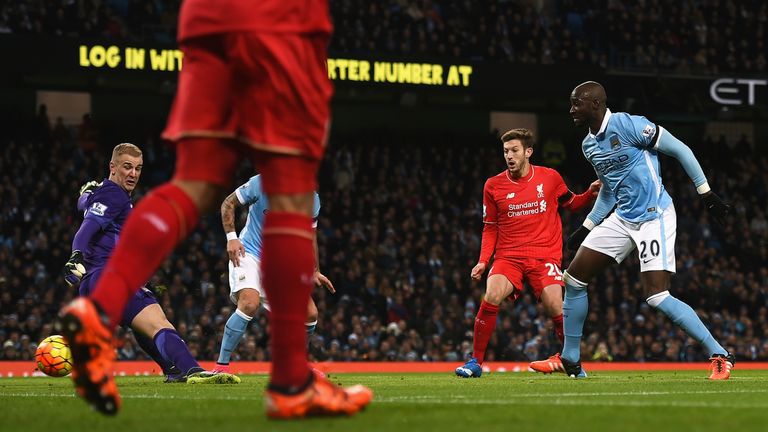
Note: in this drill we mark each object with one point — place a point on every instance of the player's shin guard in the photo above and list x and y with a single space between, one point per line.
287 274
575 308
557 324
685 317
233 333
173 348
148 345
485 324
151 232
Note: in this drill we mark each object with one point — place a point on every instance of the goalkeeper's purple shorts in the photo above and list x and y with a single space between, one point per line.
136 304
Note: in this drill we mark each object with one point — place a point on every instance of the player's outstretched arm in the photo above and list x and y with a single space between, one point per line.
603 206
85 191
235 249
571 201
669 145
74 269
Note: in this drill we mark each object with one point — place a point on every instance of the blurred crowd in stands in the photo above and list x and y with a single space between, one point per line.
690 36
399 231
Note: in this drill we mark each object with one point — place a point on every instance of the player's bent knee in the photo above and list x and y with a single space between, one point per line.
287 174
655 300
248 301
205 195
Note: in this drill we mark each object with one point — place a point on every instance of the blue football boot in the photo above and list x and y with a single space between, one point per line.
471 369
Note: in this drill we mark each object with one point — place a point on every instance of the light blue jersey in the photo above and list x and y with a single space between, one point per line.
250 194
625 158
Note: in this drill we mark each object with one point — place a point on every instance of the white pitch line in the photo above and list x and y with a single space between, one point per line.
573 402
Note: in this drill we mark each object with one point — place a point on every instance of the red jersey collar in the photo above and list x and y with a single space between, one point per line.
525 179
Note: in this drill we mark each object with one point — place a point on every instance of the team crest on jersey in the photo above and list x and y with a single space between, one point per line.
648 130
615 144
98 209
540 190
510 195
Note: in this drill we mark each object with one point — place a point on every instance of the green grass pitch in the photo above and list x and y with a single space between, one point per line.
606 401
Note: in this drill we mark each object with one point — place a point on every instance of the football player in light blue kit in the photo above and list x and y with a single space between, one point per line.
623 149
244 253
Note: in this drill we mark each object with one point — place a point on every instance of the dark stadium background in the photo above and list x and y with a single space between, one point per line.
401 184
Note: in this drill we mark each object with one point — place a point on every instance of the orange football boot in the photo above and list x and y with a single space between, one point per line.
321 398
93 354
552 364
720 368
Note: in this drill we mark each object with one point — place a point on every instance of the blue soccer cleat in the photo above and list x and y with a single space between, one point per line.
471 369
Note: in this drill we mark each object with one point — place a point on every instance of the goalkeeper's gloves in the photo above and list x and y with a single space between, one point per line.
89 187
74 269
716 206
578 236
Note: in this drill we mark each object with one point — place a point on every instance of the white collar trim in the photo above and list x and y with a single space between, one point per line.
604 125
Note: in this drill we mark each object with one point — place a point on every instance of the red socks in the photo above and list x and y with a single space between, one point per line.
151 232
557 322
485 323
287 265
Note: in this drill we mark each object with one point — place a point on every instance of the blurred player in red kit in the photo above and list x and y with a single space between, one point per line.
254 84
523 233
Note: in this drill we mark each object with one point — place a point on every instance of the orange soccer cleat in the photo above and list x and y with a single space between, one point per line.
93 354
548 366
321 398
720 368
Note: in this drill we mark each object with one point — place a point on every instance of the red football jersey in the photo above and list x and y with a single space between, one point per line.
205 17
525 212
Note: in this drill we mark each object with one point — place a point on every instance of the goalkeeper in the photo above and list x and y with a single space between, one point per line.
105 207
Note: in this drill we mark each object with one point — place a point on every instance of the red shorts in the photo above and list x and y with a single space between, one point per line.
539 273
268 92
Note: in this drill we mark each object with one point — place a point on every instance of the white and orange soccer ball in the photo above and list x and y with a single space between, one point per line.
53 356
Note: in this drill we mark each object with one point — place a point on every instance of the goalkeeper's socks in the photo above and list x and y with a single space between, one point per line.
233 333
575 308
485 324
148 345
685 317
151 232
287 264
173 348
557 327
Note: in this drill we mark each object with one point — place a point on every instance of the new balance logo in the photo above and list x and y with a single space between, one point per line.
510 195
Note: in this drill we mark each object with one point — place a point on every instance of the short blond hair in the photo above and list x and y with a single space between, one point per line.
524 135
125 148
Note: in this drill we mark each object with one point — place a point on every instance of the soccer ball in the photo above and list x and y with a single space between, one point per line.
53 356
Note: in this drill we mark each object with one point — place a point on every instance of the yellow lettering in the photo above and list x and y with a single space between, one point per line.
354 67
453 76
97 56
465 72
177 57
364 72
134 58
157 59
379 72
342 64
437 75
415 77
84 56
403 72
331 69
113 56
